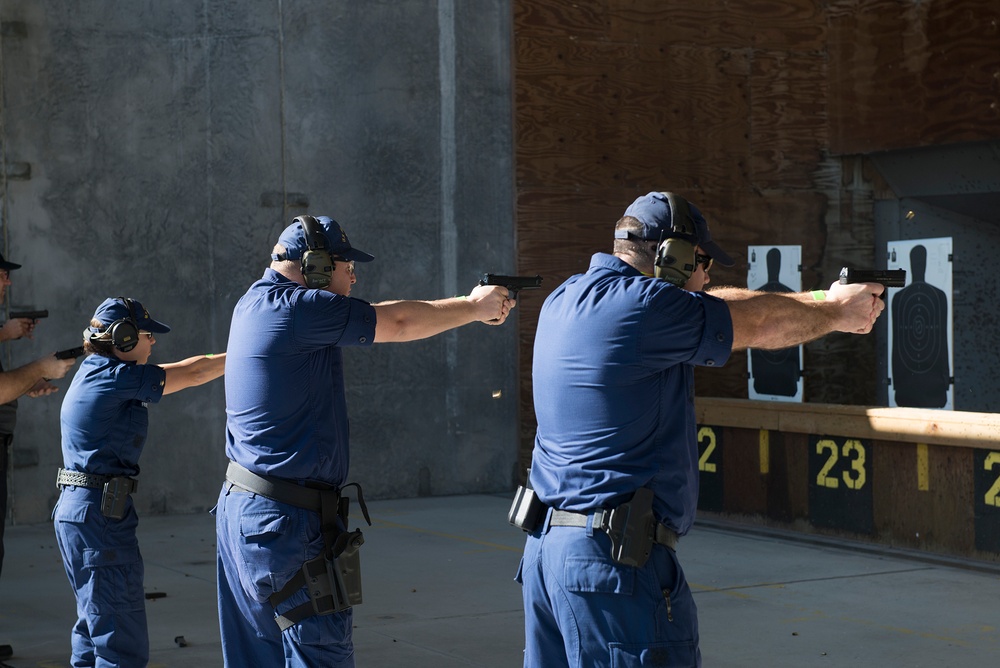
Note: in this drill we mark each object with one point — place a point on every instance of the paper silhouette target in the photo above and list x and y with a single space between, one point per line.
775 375
920 325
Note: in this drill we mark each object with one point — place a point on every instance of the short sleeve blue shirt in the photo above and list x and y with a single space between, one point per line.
613 378
104 419
286 407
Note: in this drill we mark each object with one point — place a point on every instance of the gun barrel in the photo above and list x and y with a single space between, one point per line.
33 315
890 278
512 283
69 352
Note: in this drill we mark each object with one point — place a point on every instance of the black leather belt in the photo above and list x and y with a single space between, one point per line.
568 518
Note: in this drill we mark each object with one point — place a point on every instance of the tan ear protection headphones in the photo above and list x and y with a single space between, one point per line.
123 333
675 256
317 263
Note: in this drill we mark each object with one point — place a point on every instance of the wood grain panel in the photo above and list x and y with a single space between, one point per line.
782 502
788 118
906 74
796 454
938 519
745 488
769 24
597 113
539 18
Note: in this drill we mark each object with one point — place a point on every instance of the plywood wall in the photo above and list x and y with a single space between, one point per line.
906 74
757 111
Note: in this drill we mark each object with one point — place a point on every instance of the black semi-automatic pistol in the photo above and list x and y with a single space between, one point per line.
31 315
512 283
889 278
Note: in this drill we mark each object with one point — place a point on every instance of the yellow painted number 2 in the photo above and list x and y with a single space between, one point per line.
703 462
993 494
854 477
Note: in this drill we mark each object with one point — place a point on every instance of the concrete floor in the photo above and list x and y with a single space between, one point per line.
439 591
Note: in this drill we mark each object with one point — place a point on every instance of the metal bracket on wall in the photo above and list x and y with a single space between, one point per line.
13 29
18 171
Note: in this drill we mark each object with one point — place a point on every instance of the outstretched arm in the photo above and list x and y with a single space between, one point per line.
18 381
775 320
193 371
411 320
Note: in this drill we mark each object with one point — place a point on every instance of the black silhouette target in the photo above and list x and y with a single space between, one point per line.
776 373
922 330
921 362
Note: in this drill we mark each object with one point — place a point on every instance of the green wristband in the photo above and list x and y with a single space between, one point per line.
818 295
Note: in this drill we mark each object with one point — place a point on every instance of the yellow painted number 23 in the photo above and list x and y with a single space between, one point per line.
855 477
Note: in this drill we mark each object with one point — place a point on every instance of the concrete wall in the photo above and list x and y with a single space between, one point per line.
155 149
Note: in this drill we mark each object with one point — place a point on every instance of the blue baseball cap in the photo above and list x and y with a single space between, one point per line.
653 213
117 308
333 240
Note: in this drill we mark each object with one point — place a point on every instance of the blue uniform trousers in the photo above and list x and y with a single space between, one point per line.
104 567
262 544
584 610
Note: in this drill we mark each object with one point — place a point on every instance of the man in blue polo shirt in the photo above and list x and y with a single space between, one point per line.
279 517
615 461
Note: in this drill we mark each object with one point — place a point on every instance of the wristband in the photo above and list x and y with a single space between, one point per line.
209 355
818 295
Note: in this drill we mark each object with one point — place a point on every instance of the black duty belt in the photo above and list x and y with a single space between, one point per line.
67 478
568 518
281 490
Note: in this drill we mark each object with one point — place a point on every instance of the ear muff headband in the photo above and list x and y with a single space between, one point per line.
124 333
317 264
675 256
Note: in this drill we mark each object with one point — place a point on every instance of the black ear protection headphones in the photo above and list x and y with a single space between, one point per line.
675 256
317 263
123 333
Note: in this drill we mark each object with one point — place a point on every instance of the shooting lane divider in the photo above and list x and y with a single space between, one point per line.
923 468
765 451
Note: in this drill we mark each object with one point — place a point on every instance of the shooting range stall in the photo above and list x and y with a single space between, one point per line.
903 477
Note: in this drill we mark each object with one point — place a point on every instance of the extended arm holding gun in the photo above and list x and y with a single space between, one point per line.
20 324
514 284
889 278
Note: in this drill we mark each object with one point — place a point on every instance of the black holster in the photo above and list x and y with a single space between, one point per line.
333 578
631 528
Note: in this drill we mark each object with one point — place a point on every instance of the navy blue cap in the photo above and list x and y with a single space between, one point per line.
114 309
653 213
9 266
333 240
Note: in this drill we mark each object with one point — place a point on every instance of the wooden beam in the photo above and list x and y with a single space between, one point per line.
912 425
